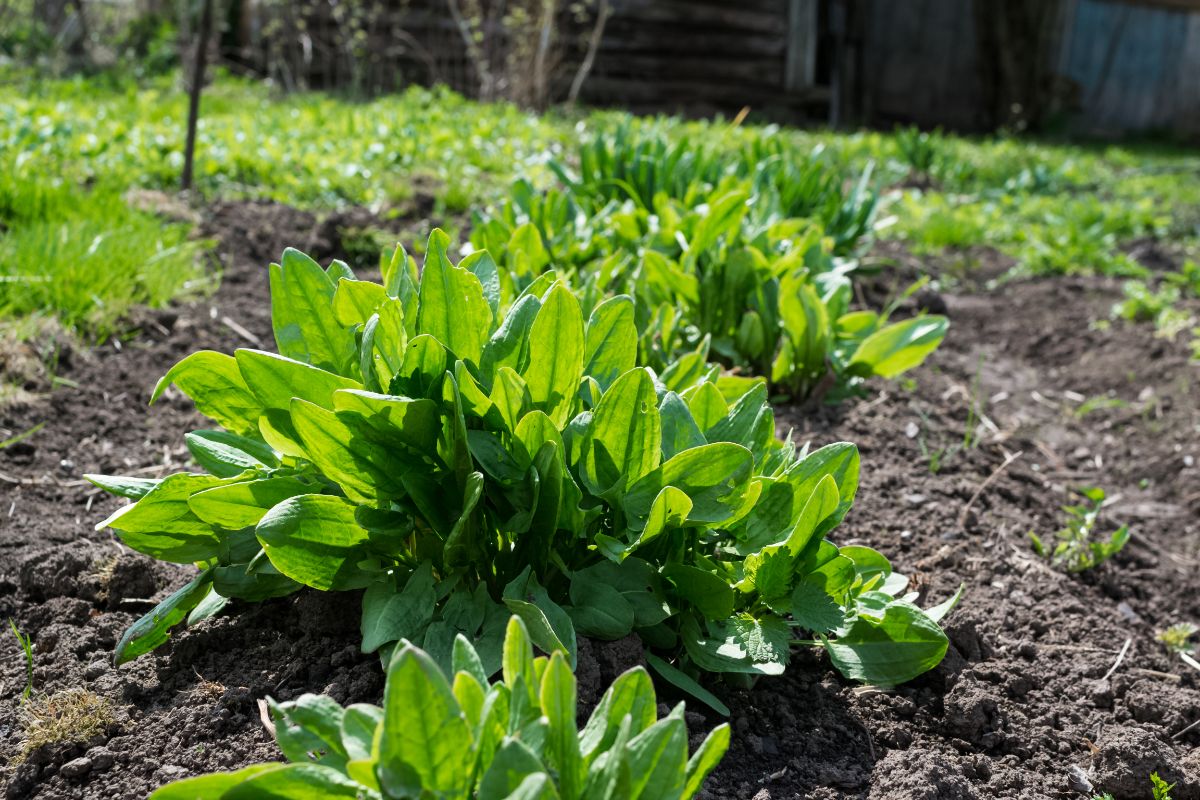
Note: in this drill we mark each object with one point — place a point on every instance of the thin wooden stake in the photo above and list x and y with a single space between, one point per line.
198 64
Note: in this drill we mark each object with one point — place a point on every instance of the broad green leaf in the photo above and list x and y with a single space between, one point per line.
226 454
345 448
424 731
632 695
679 429
359 725
707 405
538 786
513 764
705 759
355 302
888 651
556 354
162 525
658 759
715 477
562 742
154 628
900 347
709 593
550 627
509 345
814 609
296 782
315 540
598 609
275 380
214 786
131 488
625 437
310 724
389 615
452 308
400 420
302 315
216 386
724 648
482 266
610 347
243 504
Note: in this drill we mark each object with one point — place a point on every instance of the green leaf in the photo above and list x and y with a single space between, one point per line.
709 593
309 728
355 302
359 725
715 477
132 488
815 610
679 429
161 524
685 683
275 380
345 448
425 733
389 615
452 308
705 759
513 764
598 609
556 354
315 540
216 386
724 649
658 759
562 742
765 639
243 504
213 786
538 786
296 782
509 345
226 454
610 348
890 650
625 437
306 328
153 629
898 348
550 627
630 695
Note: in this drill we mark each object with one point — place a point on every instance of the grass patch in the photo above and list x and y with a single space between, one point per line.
66 717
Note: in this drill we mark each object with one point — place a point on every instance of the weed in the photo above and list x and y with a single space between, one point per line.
1075 550
1177 637
72 715
27 649
1161 789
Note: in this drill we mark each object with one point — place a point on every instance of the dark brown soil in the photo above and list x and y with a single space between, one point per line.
1019 709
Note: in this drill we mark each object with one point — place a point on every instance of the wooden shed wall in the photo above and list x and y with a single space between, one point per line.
1137 68
699 56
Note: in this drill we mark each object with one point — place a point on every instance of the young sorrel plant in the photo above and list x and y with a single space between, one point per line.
463 737
769 298
461 464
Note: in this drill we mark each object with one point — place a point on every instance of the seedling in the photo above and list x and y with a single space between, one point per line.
457 736
1177 638
1075 550
27 647
1162 789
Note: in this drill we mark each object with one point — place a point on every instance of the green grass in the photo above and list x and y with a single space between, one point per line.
71 248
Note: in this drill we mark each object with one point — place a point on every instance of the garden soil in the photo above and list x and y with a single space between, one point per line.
1053 687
